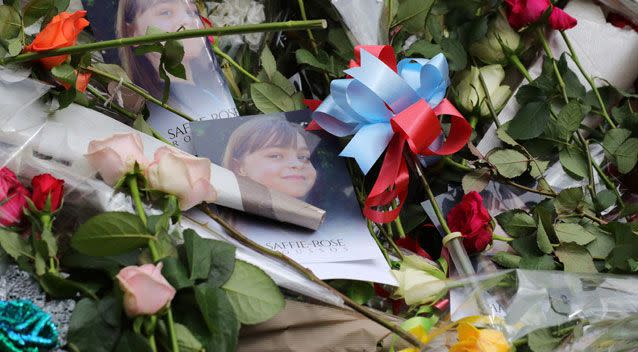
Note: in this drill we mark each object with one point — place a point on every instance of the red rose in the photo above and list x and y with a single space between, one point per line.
525 12
43 186
62 31
81 82
472 220
13 198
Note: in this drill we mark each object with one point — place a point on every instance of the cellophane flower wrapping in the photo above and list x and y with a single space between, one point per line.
545 310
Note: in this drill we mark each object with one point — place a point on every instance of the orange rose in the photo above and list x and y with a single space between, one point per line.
62 31
81 82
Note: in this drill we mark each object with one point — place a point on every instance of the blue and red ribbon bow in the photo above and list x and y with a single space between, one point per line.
385 106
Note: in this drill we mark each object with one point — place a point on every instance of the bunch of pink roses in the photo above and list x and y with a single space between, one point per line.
171 171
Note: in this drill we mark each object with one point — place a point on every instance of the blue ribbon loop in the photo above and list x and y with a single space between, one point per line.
364 104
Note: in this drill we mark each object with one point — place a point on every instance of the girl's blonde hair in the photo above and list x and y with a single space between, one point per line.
138 67
256 134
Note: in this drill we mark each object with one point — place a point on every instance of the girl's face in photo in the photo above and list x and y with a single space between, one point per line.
171 15
285 169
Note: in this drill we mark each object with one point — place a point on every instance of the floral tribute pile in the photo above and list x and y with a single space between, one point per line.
411 110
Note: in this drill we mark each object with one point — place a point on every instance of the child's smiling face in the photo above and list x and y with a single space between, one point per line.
285 169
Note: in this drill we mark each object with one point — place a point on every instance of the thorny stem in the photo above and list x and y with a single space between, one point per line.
519 65
376 239
574 57
590 171
139 91
121 110
550 55
234 63
391 241
488 98
160 37
528 189
235 234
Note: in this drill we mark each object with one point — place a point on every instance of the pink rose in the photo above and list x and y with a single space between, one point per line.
146 291
183 175
472 220
523 13
13 198
113 157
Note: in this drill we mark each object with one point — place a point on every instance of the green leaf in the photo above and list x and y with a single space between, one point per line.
64 73
66 97
476 180
141 125
62 5
132 342
575 258
253 294
527 94
542 240
14 46
516 222
35 9
602 245
223 263
186 340
573 87
360 291
507 260
10 22
110 234
412 14
268 62
604 199
627 155
542 340
198 253
14 245
282 82
529 122
568 200
175 273
51 242
269 98
219 316
567 121
501 133
455 53
172 57
621 149
573 233
304 56
59 287
545 262
526 246
89 330
423 48
114 70
574 162
626 246
508 162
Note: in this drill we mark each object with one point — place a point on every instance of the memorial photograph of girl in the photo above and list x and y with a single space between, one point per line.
204 93
274 153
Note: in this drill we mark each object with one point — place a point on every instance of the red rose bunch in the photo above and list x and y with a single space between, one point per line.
472 220
523 13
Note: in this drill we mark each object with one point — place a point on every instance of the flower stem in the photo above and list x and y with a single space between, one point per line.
122 111
459 166
574 57
376 239
139 91
550 55
397 221
234 63
160 37
232 232
396 248
47 225
135 193
488 98
519 65
151 341
171 330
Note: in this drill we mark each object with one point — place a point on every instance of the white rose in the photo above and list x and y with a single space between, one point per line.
472 95
490 48
419 281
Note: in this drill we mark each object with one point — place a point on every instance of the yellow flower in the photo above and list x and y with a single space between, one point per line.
419 327
472 339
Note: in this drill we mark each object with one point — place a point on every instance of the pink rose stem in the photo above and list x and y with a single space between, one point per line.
139 208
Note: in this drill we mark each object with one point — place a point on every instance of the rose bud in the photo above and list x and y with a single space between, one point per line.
146 291
472 220
45 186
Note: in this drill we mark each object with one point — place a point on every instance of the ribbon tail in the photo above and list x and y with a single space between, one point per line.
392 183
